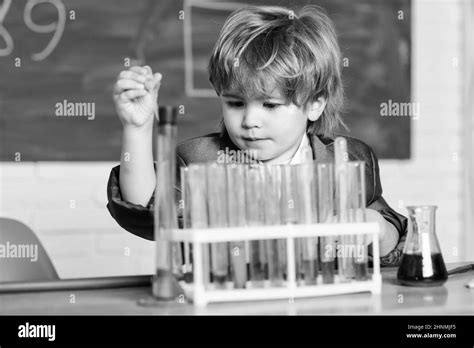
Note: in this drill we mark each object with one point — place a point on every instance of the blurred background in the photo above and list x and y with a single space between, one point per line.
54 170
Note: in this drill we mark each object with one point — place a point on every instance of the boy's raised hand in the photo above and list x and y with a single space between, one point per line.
136 96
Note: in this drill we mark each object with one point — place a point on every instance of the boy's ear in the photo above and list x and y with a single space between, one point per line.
316 109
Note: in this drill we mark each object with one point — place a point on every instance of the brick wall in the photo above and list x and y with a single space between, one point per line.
64 203
434 174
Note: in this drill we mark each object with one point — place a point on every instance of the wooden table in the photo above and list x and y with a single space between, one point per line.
452 298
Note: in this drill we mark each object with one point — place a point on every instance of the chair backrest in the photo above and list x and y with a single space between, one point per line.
22 256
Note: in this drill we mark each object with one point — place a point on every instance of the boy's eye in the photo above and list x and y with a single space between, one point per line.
271 105
235 104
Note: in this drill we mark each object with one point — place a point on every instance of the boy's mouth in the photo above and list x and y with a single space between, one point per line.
253 139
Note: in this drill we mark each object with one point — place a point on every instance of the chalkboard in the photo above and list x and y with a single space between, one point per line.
55 54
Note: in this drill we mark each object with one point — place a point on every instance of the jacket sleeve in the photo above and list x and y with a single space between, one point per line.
377 202
136 218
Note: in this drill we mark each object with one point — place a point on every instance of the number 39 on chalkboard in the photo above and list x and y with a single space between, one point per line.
56 27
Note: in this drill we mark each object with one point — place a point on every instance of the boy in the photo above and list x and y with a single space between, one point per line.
278 77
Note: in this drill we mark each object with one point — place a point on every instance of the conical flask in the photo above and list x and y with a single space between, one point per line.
422 263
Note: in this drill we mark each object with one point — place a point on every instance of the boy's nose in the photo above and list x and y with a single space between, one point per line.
251 118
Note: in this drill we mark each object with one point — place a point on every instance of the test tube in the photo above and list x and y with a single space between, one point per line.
289 212
346 242
289 195
186 218
356 205
254 191
217 205
306 186
236 218
197 200
165 283
275 251
326 214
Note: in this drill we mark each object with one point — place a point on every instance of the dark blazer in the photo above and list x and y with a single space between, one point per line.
139 220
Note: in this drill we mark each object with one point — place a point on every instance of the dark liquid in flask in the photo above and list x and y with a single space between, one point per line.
411 270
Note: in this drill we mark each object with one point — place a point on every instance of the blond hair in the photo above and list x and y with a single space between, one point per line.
298 53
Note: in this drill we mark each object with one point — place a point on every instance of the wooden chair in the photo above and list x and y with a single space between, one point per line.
22 256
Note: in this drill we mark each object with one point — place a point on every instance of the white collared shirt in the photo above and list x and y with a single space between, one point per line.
302 155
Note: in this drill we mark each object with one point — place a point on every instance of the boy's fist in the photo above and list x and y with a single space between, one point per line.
136 96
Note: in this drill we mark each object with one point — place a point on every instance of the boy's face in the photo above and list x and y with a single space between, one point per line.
269 129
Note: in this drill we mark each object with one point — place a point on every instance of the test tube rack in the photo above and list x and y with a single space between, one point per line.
201 295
